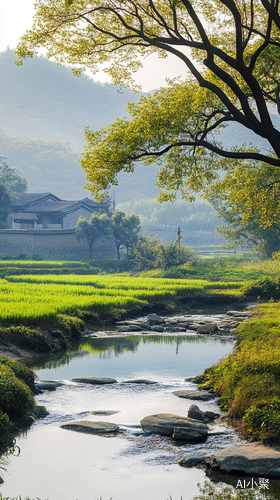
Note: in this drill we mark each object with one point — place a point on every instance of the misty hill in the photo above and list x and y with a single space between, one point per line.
53 166
42 105
43 100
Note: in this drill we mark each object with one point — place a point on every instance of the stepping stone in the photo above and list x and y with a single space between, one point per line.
196 395
140 381
103 412
94 380
101 428
179 428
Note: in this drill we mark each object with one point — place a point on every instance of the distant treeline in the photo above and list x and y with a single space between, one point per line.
197 219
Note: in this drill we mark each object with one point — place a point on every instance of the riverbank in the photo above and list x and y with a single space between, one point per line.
248 380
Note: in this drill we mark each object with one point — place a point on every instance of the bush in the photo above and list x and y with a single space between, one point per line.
71 325
265 288
20 371
6 431
15 396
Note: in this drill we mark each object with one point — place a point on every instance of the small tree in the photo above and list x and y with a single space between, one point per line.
146 253
124 230
91 230
175 254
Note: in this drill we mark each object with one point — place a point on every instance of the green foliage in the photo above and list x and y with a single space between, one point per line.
146 253
71 325
15 397
124 230
265 288
5 203
20 371
98 226
174 254
6 430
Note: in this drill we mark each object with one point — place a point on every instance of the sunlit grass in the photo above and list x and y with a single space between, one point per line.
37 299
248 380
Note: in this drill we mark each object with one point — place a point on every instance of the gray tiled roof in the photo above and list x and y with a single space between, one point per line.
60 206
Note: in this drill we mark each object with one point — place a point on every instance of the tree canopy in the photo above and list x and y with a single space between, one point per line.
231 52
97 227
124 230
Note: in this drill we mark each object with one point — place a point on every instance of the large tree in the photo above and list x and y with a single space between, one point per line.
231 52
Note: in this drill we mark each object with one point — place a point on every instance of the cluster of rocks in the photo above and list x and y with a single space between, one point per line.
226 324
50 385
253 459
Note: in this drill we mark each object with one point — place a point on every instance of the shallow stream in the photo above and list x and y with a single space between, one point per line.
60 464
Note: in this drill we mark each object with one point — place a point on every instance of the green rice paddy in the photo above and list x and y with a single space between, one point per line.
37 299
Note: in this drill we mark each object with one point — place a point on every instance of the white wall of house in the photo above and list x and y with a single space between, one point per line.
70 220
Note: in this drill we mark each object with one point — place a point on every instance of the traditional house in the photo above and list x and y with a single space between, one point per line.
43 225
47 211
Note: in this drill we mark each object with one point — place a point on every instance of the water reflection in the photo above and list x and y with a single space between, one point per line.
109 347
58 464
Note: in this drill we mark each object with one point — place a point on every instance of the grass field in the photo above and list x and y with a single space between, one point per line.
238 268
36 299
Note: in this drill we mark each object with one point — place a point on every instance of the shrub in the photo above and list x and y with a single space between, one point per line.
265 288
15 396
6 431
20 371
71 325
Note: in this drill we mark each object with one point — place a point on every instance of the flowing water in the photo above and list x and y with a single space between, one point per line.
59 464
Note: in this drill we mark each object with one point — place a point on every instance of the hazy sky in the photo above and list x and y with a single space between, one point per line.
16 17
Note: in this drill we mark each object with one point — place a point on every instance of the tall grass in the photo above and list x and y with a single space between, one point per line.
248 380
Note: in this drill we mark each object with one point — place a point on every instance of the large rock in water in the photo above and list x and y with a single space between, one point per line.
207 329
94 380
195 413
179 428
253 459
155 319
195 395
101 428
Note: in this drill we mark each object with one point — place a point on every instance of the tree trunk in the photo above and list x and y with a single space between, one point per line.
118 251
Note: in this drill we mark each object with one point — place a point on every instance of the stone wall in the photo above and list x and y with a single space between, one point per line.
51 244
